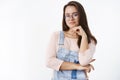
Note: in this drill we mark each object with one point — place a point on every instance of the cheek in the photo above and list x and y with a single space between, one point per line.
67 22
77 22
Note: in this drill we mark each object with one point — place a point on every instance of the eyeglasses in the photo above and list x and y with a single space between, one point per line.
73 15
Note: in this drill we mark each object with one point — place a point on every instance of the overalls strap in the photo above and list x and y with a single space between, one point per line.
61 38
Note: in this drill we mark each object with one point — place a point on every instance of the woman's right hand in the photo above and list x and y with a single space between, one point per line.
86 68
89 66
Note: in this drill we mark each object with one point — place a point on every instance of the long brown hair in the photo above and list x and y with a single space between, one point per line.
83 21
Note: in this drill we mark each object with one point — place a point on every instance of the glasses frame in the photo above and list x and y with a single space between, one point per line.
73 15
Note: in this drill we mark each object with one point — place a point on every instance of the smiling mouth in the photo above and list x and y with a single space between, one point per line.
72 22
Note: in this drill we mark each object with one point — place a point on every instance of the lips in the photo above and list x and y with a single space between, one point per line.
71 22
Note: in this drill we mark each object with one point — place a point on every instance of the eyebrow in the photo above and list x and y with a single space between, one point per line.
71 13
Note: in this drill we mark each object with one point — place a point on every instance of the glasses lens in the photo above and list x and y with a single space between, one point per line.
73 15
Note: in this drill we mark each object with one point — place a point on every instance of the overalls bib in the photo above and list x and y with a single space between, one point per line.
68 56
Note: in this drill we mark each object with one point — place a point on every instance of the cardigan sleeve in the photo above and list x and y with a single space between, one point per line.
51 60
86 57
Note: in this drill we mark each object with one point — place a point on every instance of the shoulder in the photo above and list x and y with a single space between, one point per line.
55 34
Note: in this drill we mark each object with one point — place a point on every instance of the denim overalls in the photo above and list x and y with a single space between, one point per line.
68 56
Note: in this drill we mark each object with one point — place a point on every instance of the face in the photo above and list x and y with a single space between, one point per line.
71 16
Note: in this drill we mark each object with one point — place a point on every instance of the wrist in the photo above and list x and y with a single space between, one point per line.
84 35
79 67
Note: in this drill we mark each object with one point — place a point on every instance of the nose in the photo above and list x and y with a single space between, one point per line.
71 17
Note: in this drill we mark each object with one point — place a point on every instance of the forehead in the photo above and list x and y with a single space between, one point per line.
70 9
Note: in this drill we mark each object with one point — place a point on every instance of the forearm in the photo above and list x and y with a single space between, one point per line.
87 56
84 44
71 66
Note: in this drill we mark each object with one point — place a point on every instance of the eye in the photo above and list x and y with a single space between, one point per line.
67 15
75 14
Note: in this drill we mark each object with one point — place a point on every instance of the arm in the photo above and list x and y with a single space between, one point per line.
55 63
85 57
84 43
72 66
51 60
86 50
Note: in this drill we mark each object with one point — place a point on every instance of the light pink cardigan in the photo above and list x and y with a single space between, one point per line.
71 44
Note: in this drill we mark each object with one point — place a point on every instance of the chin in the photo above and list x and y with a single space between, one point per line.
71 26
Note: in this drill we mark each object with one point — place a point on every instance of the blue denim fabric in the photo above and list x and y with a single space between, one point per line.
69 56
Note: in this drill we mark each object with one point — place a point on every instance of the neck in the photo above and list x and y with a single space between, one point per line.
71 34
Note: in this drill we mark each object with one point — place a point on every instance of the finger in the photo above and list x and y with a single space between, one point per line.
92 67
80 26
76 28
89 71
92 60
86 74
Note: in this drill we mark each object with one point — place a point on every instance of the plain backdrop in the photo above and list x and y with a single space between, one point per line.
26 27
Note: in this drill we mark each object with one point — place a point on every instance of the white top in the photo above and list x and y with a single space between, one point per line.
70 44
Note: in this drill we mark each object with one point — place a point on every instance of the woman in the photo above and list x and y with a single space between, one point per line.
70 51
